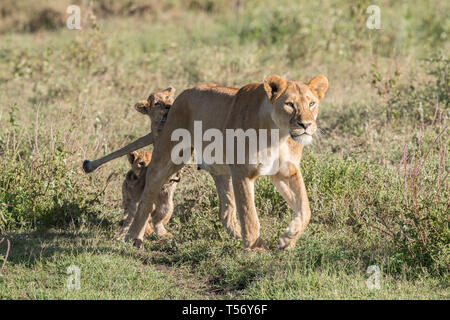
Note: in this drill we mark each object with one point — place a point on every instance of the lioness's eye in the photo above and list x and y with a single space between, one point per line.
158 104
311 104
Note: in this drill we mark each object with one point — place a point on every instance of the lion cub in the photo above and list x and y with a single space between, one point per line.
156 107
132 188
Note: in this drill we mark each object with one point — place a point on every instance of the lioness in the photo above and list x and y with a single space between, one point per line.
291 107
132 188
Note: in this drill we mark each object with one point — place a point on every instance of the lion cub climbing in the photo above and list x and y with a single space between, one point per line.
156 107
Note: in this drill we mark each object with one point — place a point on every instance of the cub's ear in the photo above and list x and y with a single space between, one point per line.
170 90
319 85
170 94
142 106
132 156
274 86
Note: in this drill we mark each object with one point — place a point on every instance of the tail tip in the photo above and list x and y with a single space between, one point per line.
86 166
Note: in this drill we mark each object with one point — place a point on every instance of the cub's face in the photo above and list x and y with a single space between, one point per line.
157 106
295 105
139 160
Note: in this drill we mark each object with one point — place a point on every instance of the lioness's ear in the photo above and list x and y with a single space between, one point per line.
274 86
132 156
319 85
142 106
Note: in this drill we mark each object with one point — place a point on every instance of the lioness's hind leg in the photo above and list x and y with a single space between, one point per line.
227 203
293 190
163 211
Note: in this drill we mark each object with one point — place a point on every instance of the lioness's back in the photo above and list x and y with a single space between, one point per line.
207 103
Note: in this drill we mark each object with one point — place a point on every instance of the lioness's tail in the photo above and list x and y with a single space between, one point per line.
90 166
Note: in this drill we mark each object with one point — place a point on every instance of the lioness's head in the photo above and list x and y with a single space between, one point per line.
157 105
139 160
295 105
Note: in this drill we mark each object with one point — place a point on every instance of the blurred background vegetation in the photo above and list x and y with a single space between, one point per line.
377 175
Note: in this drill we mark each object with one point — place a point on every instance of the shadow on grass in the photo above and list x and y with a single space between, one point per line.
73 215
58 230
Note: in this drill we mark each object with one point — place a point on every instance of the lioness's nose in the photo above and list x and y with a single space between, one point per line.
304 125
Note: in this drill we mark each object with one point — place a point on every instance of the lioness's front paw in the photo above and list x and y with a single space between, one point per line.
167 235
162 232
258 246
254 250
286 241
235 231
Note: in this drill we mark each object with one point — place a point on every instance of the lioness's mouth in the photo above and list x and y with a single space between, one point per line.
294 136
303 138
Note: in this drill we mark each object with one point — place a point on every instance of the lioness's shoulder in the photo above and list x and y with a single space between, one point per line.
250 95
251 87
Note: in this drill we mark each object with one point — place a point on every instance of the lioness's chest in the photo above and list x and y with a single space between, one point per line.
278 159
268 161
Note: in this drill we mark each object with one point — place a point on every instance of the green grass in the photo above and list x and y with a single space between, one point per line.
66 96
38 270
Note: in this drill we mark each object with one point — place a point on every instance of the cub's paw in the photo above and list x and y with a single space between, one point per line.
120 237
137 243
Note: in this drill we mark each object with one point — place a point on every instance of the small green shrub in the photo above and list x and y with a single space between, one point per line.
87 52
418 100
423 220
410 207
406 211
41 192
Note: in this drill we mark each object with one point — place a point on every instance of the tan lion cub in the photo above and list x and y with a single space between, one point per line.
132 188
156 107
